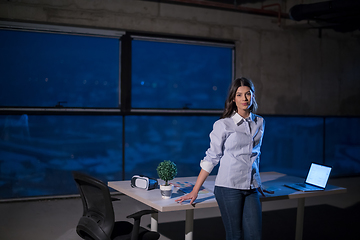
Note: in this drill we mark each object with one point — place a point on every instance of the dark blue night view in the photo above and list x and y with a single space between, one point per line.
39 151
41 69
179 75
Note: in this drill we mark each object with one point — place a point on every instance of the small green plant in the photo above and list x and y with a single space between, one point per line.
167 171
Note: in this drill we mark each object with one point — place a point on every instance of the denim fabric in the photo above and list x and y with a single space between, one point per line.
240 212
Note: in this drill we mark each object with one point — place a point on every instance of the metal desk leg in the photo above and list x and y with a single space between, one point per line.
154 221
189 224
300 219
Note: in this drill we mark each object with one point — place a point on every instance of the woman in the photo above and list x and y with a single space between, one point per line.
235 143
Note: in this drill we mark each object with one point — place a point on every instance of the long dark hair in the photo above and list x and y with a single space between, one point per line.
230 105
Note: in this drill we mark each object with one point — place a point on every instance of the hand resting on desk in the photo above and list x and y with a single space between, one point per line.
192 196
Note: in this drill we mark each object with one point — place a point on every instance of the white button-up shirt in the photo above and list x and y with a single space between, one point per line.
235 142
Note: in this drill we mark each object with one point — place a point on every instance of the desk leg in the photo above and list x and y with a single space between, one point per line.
154 221
300 219
189 224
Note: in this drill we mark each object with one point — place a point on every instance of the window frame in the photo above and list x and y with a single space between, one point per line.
57 29
124 109
180 40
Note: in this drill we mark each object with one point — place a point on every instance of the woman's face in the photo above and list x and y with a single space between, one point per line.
243 98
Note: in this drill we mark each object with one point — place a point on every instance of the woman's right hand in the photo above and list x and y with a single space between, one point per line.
192 196
194 193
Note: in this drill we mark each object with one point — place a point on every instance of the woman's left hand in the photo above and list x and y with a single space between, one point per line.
263 191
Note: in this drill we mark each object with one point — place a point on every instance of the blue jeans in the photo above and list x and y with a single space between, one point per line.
240 213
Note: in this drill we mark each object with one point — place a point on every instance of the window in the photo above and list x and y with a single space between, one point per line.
342 141
41 69
290 144
180 75
153 139
38 152
60 110
60 106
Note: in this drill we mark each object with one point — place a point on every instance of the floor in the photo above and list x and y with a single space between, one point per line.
329 217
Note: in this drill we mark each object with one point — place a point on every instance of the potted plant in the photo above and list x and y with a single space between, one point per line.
167 171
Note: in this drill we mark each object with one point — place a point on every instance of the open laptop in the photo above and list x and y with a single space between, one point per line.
316 179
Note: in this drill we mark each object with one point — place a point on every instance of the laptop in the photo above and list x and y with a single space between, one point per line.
316 179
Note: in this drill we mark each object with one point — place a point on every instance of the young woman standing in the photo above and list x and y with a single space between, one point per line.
235 143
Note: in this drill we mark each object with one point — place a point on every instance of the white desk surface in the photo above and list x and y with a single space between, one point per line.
271 180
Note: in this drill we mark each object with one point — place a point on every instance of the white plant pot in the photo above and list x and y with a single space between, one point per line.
166 191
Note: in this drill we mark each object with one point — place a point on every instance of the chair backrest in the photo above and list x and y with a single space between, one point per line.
98 218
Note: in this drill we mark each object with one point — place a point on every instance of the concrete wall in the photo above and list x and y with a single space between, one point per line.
295 71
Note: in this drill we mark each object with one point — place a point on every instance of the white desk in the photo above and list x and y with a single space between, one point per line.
271 180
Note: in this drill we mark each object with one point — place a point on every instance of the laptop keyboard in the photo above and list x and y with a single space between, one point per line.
301 184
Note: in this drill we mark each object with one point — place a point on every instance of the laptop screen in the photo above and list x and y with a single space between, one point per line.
318 175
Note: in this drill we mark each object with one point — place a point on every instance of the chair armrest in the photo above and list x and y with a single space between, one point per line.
139 214
137 217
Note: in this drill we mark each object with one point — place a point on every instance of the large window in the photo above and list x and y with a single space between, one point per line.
47 70
113 105
342 145
62 98
290 144
38 152
180 75
152 139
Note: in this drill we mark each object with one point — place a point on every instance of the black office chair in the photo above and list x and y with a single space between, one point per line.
98 220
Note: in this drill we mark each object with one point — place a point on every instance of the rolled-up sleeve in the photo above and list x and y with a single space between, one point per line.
215 151
207 166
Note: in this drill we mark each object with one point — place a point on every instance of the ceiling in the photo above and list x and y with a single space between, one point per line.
339 15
